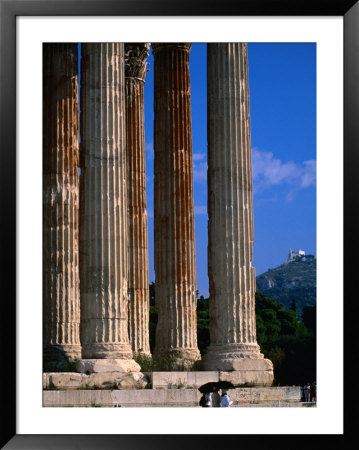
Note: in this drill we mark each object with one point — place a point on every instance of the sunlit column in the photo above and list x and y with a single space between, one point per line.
175 264
61 299
230 210
103 204
138 286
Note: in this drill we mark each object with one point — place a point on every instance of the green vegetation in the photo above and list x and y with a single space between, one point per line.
61 366
203 324
159 363
288 342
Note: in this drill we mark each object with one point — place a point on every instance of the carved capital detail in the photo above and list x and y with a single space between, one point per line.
186 46
135 60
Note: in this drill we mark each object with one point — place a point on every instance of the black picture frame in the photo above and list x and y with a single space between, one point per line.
9 10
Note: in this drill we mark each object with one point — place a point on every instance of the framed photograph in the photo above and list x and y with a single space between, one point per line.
24 27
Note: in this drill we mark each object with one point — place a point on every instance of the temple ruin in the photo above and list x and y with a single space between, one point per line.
95 237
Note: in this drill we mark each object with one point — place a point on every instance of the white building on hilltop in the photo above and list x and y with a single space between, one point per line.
294 255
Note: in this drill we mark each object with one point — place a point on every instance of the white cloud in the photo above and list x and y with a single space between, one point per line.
309 175
269 171
199 167
150 153
200 210
199 156
200 171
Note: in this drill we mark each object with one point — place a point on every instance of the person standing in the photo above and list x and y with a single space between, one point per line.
208 400
306 390
313 392
225 401
216 398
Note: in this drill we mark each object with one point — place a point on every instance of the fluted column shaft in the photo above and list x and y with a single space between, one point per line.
230 206
103 204
175 264
61 300
138 285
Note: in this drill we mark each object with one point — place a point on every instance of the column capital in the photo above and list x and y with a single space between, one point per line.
136 55
186 46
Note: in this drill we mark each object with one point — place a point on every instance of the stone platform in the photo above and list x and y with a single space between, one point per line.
156 389
111 379
285 396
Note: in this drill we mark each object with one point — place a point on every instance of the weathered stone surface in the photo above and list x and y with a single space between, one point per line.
122 398
291 393
61 299
88 366
267 394
104 380
138 284
231 361
63 380
248 397
252 364
116 380
248 377
230 210
103 205
181 380
175 263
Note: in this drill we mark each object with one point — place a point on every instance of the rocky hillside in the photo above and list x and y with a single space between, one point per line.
293 280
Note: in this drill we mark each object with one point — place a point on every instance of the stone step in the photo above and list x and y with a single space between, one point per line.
285 396
106 377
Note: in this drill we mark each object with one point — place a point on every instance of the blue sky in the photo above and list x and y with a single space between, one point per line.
282 83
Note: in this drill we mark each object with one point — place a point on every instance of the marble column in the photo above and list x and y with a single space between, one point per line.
138 285
175 263
61 299
103 204
233 344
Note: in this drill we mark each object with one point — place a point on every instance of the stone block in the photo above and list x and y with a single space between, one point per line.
248 377
116 380
261 395
291 393
271 394
252 364
64 380
182 380
225 362
79 398
107 365
103 380
122 398
244 395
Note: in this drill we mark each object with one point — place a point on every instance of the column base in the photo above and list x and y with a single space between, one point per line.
232 357
241 364
89 366
258 375
179 358
106 351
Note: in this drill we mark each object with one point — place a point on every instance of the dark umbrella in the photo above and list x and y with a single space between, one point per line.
224 385
207 387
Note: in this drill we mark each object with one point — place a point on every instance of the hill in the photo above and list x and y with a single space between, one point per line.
295 280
